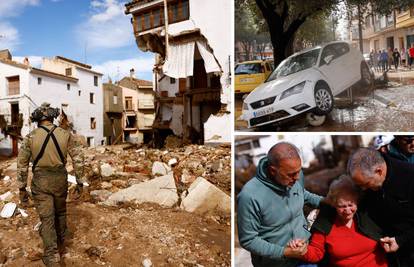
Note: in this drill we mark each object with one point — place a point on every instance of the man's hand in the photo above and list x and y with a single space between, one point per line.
78 191
389 244
296 249
24 196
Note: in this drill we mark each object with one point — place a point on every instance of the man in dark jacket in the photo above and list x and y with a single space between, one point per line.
402 148
389 200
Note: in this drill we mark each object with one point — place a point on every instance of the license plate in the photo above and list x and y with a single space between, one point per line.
263 112
246 80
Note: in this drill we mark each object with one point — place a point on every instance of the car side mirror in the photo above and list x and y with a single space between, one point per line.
328 59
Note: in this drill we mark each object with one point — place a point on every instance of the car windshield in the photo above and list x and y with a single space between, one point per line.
248 68
295 64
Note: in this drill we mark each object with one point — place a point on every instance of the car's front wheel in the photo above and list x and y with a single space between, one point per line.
323 99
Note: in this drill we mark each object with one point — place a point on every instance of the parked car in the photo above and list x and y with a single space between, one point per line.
250 74
306 82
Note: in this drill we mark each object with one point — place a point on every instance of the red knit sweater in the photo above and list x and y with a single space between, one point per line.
346 247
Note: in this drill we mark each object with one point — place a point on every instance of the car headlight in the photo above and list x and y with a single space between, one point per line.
245 106
263 103
297 89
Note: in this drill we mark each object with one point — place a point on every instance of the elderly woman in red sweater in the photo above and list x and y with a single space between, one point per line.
342 236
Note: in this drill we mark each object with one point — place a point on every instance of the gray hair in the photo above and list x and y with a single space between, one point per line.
341 186
282 151
366 160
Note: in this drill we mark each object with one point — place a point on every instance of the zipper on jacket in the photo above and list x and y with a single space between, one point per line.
290 214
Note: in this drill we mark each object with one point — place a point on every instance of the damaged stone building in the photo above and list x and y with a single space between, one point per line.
128 110
192 66
64 83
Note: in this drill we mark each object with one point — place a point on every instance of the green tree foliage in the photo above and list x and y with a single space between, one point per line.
285 20
244 28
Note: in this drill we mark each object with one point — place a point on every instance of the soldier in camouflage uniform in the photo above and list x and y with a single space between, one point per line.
47 147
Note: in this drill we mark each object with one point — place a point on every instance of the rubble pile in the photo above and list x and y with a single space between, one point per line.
140 207
123 166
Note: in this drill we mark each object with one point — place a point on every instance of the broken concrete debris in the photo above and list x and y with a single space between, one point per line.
147 263
106 170
100 195
6 196
23 212
204 197
8 210
160 169
37 226
160 190
172 162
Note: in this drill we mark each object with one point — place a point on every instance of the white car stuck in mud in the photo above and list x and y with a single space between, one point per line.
306 82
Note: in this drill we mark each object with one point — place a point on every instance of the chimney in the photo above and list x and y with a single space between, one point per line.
132 73
5 54
26 61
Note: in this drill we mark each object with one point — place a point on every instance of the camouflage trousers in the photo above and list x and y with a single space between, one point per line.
49 190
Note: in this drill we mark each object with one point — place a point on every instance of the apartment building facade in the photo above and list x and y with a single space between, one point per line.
64 83
192 66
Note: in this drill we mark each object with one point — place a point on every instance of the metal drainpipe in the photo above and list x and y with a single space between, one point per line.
166 27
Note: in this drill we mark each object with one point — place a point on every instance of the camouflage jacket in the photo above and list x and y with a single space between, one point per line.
32 143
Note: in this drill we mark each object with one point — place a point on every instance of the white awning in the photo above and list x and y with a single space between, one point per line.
180 61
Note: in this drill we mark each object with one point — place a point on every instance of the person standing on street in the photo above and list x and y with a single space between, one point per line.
411 55
390 58
47 147
396 56
384 60
375 60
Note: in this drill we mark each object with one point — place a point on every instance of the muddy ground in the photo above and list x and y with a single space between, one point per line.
129 233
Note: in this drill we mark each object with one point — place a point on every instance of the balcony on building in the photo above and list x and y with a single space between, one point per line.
146 104
149 15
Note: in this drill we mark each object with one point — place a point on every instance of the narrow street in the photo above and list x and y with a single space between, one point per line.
386 109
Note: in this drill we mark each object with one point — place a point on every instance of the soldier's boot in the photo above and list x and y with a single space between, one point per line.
51 260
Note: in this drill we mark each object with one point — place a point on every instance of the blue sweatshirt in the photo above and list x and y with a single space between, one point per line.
270 215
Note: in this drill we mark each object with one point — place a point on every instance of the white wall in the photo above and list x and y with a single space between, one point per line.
54 91
7 70
87 110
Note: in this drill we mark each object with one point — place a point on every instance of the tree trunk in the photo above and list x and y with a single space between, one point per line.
282 37
361 41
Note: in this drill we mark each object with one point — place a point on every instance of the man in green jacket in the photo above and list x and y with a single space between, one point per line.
270 208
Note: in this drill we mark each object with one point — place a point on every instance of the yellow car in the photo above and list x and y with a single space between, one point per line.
250 74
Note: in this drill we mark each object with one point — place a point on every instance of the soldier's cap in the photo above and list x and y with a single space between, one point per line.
44 112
